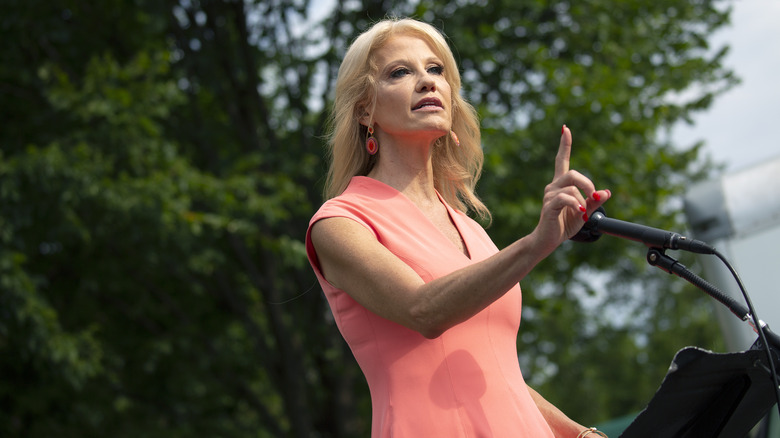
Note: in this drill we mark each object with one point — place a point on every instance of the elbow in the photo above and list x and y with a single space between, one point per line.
428 324
432 332
428 331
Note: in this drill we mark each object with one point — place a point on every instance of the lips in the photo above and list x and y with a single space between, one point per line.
428 102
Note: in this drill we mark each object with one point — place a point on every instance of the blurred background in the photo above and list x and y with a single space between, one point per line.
738 127
160 160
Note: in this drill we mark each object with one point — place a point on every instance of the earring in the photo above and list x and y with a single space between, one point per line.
372 145
455 138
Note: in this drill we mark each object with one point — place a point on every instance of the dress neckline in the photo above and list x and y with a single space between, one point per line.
455 218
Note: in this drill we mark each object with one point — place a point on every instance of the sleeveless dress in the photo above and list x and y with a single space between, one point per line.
465 383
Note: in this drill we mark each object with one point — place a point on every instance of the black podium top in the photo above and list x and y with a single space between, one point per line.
708 395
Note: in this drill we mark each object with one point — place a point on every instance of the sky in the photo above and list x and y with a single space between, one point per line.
739 127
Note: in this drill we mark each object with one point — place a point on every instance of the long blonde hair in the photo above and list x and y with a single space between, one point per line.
455 169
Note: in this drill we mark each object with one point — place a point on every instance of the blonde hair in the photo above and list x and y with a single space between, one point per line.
456 170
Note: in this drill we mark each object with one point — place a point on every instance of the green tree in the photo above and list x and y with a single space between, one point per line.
160 161
149 250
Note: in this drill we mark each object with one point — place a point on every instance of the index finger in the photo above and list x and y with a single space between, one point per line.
564 153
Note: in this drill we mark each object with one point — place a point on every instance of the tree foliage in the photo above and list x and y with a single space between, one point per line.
160 161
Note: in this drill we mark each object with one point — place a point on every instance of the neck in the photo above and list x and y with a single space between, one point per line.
408 169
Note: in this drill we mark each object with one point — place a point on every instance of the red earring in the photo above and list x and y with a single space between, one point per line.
372 145
455 138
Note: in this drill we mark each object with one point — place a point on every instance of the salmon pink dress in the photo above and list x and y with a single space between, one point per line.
465 383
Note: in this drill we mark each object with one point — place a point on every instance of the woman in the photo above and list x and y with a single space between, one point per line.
426 302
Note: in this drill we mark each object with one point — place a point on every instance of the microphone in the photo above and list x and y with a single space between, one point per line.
599 223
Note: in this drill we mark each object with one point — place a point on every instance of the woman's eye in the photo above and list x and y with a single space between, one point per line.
437 70
399 73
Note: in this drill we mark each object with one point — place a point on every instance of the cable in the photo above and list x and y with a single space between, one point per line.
757 325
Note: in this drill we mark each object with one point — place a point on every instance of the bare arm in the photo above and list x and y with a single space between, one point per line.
352 260
561 425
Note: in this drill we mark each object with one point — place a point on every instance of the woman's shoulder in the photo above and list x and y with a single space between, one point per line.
361 192
363 199
366 186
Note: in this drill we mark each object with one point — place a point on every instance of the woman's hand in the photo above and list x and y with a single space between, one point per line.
569 200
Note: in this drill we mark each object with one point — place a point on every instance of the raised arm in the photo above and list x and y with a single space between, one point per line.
352 260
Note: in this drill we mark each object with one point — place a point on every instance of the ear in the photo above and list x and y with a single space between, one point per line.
365 119
366 110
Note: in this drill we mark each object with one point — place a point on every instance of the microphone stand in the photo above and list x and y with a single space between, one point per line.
658 258
707 394
704 394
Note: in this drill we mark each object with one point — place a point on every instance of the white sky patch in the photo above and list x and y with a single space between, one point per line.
738 129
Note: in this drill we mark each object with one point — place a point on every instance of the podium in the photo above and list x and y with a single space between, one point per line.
708 395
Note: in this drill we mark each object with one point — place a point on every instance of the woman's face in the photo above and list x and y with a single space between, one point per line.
413 99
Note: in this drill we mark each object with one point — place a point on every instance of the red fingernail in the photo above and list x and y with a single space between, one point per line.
562 128
585 217
596 196
582 209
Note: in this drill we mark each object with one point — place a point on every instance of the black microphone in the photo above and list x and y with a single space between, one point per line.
599 223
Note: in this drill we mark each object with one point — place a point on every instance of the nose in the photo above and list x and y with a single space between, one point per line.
426 83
